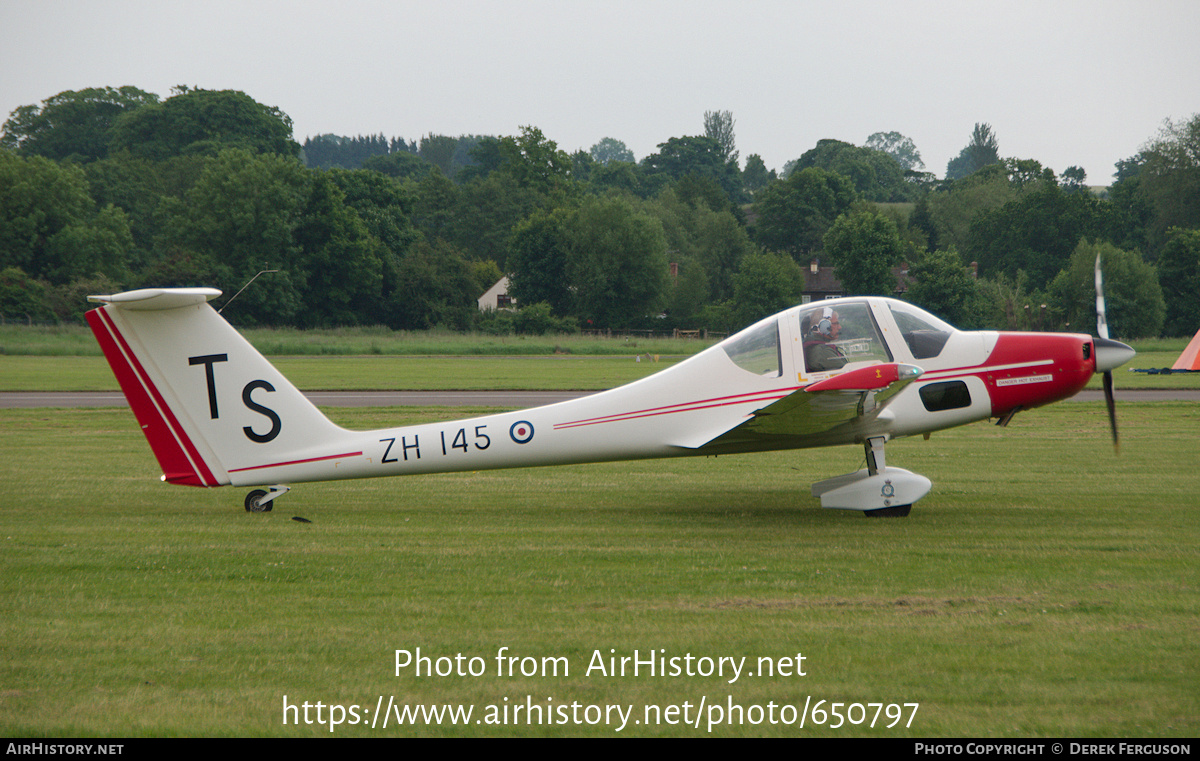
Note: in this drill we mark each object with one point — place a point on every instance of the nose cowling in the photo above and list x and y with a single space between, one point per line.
1111 354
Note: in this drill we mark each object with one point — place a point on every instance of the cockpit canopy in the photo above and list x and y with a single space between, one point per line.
830 335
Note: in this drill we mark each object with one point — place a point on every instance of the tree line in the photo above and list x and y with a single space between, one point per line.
115 188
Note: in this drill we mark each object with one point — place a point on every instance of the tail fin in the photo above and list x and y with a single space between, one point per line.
208 402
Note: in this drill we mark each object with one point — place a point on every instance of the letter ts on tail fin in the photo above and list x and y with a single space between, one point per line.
213 409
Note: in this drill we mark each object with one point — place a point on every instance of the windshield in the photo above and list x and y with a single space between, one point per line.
837 336
925 334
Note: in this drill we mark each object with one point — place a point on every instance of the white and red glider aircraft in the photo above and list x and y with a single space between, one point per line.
843 371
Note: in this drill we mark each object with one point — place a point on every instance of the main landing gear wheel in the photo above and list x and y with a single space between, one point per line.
896 511
254 503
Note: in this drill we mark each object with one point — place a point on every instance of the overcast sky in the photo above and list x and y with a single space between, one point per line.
1066 83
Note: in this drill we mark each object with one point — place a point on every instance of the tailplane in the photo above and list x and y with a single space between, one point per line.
214 410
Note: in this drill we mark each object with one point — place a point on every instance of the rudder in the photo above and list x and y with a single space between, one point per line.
208 402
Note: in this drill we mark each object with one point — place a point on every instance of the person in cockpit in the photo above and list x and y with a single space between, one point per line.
820 351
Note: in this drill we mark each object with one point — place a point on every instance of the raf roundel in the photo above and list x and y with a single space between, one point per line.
521 431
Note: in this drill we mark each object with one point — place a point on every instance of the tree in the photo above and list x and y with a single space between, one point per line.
21 296
617 262
863 247
794 214
1134 305
439 150
97 247
434 287
721 244
485 212
620 175
688 293
241 214
204 122
765 283
609 150
50 227
899 147
1008 304
1028 174
718 125
537 261
38 199
400 165
1074 180
1036 233
1169 179
333 151
138 187
981 151
582 166
342 262
1179 274
483 158
953 206
939 282
875 175
755 176
383 204
434 201
72 124
702 156
535 161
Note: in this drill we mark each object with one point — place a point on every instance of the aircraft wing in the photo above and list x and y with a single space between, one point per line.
856 396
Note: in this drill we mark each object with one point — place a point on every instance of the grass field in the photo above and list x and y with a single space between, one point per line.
67 358
1044 587
441 373
77 340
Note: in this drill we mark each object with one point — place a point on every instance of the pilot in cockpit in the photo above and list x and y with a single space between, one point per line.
821 329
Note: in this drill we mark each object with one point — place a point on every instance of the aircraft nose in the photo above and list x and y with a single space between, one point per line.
1111 354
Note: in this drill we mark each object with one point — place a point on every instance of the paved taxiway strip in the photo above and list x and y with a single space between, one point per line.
509 399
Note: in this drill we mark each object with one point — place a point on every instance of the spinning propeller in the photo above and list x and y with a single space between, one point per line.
1109 354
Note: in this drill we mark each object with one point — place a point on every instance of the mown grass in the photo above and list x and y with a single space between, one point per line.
67 358
441 373
1044 588
369 373
77 340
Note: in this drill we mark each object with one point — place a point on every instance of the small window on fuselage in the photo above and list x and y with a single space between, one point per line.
951 395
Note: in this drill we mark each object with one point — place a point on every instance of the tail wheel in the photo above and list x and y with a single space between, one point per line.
254 503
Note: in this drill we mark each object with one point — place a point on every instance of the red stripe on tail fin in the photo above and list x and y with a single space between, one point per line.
181 463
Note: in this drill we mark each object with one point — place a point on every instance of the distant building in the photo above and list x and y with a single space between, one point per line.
497 297
820 282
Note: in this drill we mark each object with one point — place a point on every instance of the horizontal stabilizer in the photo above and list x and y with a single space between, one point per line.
151 299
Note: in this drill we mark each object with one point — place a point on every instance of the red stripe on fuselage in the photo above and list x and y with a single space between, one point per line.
670 409
299 462
181 463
